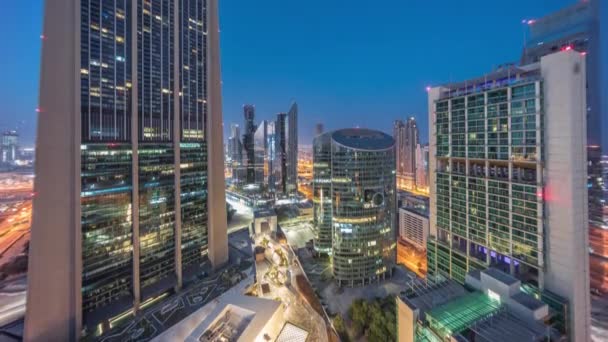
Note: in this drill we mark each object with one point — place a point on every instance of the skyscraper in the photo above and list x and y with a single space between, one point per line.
422 167
248 144
260 148
235 146
9 147
577 27
292 149
508 181
406 138
129 167
355 181
321 189
280 168
318 129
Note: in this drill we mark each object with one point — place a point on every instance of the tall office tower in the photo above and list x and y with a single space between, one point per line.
406 139
412 140
508 180
281 152
10 146
248 144
577 28
360 169
318 129
260 148
129 168
321 190
271 154
422 166
399 136
292 149
236 146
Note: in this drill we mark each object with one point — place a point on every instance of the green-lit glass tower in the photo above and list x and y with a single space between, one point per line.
129 174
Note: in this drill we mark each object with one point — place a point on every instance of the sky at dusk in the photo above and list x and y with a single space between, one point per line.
346 63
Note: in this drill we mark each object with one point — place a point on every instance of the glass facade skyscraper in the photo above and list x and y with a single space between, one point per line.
508 181
354 206
135 154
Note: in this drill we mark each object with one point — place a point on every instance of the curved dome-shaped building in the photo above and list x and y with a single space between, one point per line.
361 187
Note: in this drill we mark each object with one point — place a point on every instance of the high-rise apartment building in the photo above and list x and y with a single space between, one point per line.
508 180
9 149
354 179
129 168
292 149
406 139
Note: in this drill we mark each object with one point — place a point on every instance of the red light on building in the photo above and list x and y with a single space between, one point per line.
567 48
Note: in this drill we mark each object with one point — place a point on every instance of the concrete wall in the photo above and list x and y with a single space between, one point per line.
53 296
565 193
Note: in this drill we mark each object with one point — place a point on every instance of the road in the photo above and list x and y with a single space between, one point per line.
14 230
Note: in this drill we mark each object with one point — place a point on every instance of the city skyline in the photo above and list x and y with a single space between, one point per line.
326 89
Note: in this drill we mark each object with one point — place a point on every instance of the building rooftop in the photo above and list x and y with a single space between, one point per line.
231 317
264 213
505 327
500 276
292 333
528 301
363 139
458 314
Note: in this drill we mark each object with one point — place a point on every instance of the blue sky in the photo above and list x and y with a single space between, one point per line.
346 63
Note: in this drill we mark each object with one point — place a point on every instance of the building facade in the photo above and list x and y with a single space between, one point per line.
362 193
248 143
321 189
129 176
413 227
9 150
508 180
422 167
292 150
578 27
406 139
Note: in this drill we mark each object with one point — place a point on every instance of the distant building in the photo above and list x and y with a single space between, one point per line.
321 187
292 150
508 180
260 148
362 195
235 146
318 129
406 139
130 193
248 142
413 227
422 167
9 150
280 169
